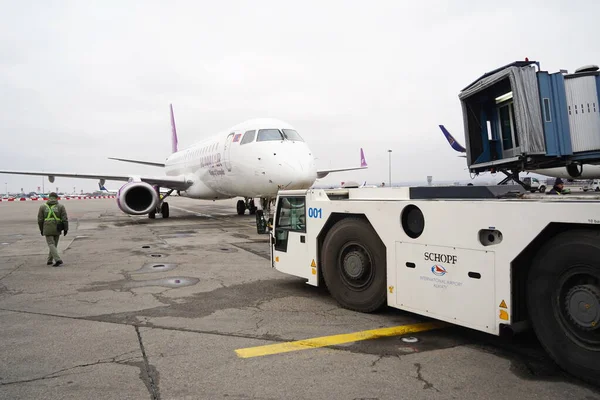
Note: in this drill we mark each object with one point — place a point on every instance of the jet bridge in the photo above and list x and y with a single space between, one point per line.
519 117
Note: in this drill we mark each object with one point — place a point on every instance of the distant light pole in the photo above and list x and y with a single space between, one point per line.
390 165
6 187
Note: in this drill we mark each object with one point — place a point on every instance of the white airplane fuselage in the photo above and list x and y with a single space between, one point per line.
588 171
223 166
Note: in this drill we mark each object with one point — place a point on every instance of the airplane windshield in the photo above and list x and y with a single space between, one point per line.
291 134
269 134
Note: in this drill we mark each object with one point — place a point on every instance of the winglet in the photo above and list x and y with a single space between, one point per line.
455 145
363 161
173 132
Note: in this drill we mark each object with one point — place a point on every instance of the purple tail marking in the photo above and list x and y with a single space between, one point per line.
453 143
173 132
363 161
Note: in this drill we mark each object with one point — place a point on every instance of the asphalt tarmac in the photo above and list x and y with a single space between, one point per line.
181 308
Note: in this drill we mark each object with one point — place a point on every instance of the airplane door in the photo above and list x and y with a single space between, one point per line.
227 151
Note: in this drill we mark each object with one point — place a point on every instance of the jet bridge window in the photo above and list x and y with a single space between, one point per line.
269 134
248 137
291 134
291 217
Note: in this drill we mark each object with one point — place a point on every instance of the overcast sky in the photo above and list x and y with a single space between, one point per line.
81 81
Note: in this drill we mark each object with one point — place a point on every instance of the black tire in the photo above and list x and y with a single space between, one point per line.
241 207
542 189
355 239
152 214
164 210
573 347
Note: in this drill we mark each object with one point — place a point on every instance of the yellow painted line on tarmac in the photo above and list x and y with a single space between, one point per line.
337 339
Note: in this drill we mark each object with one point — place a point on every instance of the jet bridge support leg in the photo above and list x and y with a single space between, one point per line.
513 176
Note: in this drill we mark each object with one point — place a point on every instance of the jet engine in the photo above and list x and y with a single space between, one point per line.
137 198
575 170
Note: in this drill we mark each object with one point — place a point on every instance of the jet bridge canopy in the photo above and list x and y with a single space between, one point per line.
517 118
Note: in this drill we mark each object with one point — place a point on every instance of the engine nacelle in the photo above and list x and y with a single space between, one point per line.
575 170
137 198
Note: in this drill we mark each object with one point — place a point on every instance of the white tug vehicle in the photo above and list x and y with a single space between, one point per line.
489 258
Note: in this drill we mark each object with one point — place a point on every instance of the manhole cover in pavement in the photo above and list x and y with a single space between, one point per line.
410 339
154 267
173 282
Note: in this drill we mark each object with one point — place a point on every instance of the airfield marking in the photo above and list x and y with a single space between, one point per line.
324 341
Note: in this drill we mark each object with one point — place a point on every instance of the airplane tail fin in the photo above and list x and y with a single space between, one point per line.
101 187
363 164
363 161
173 132
455 145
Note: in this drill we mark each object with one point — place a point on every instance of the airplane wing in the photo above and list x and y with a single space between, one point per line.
322 173
175 182
153 164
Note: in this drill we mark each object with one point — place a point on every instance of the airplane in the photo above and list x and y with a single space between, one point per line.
104 190
253 159
583 172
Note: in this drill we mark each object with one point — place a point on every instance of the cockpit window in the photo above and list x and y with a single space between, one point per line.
248 137
291 134
269 134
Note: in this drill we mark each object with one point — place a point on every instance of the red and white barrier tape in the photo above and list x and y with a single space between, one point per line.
65 198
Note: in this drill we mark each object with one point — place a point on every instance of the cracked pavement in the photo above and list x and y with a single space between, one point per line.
156 309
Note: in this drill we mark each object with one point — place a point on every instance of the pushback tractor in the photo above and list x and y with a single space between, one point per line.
487 258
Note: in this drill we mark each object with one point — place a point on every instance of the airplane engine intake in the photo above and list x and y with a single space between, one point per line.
575 170
137 198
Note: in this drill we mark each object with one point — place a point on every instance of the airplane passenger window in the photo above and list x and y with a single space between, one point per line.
269 134
291 134
248 137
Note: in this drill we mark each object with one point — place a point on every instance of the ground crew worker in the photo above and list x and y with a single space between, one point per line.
558 187
52 219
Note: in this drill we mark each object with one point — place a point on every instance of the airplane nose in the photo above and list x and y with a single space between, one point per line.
299 173
305 174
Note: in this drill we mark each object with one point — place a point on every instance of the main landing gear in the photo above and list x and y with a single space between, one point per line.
246 204
162 207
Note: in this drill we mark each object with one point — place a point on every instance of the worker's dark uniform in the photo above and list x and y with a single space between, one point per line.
52 219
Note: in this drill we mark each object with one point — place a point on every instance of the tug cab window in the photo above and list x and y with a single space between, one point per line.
291 217
269 134
248 137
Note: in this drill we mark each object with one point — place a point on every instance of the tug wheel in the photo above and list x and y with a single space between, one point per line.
563 299
354 265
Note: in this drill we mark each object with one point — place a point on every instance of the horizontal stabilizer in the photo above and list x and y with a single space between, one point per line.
154 164
363 165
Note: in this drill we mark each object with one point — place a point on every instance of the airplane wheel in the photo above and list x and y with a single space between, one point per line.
241 207
354 266
152 214
164 210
